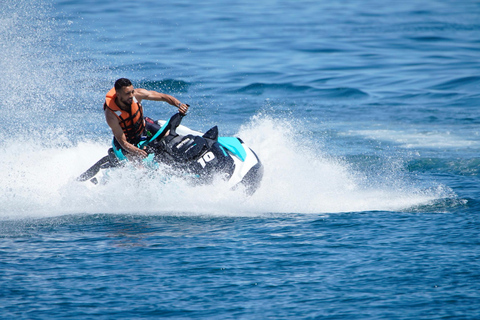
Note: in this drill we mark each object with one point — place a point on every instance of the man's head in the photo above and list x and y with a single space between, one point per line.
122 82
124 90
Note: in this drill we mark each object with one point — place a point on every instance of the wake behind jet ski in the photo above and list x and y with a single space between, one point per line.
195 156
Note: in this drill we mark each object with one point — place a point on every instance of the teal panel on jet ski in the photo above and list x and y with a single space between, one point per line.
233 145
118 153
150 162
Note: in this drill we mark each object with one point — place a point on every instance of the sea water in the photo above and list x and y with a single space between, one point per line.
365 115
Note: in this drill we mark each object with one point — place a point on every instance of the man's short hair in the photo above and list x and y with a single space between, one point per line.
122 82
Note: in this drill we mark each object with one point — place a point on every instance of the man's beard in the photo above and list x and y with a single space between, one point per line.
127 102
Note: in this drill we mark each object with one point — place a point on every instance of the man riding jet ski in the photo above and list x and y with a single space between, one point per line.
124 115
198 157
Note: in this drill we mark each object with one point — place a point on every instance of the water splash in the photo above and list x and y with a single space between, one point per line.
44 79
299 178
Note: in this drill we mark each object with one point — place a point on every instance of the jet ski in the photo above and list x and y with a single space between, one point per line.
190 154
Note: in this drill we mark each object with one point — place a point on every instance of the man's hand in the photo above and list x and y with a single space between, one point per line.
183 108
138 152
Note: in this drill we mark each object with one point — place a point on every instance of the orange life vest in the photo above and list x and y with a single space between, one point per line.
131 122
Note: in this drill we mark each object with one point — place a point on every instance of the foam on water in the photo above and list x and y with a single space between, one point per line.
300 176
420 139
39 180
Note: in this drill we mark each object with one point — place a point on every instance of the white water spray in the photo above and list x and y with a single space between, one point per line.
40 181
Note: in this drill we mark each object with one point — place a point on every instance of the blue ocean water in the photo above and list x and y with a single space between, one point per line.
365 115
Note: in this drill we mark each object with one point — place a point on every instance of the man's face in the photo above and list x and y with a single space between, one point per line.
125 95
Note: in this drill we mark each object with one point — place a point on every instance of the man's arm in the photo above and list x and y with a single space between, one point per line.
112 122
143 94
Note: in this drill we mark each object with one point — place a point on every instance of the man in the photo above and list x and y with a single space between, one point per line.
124 115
